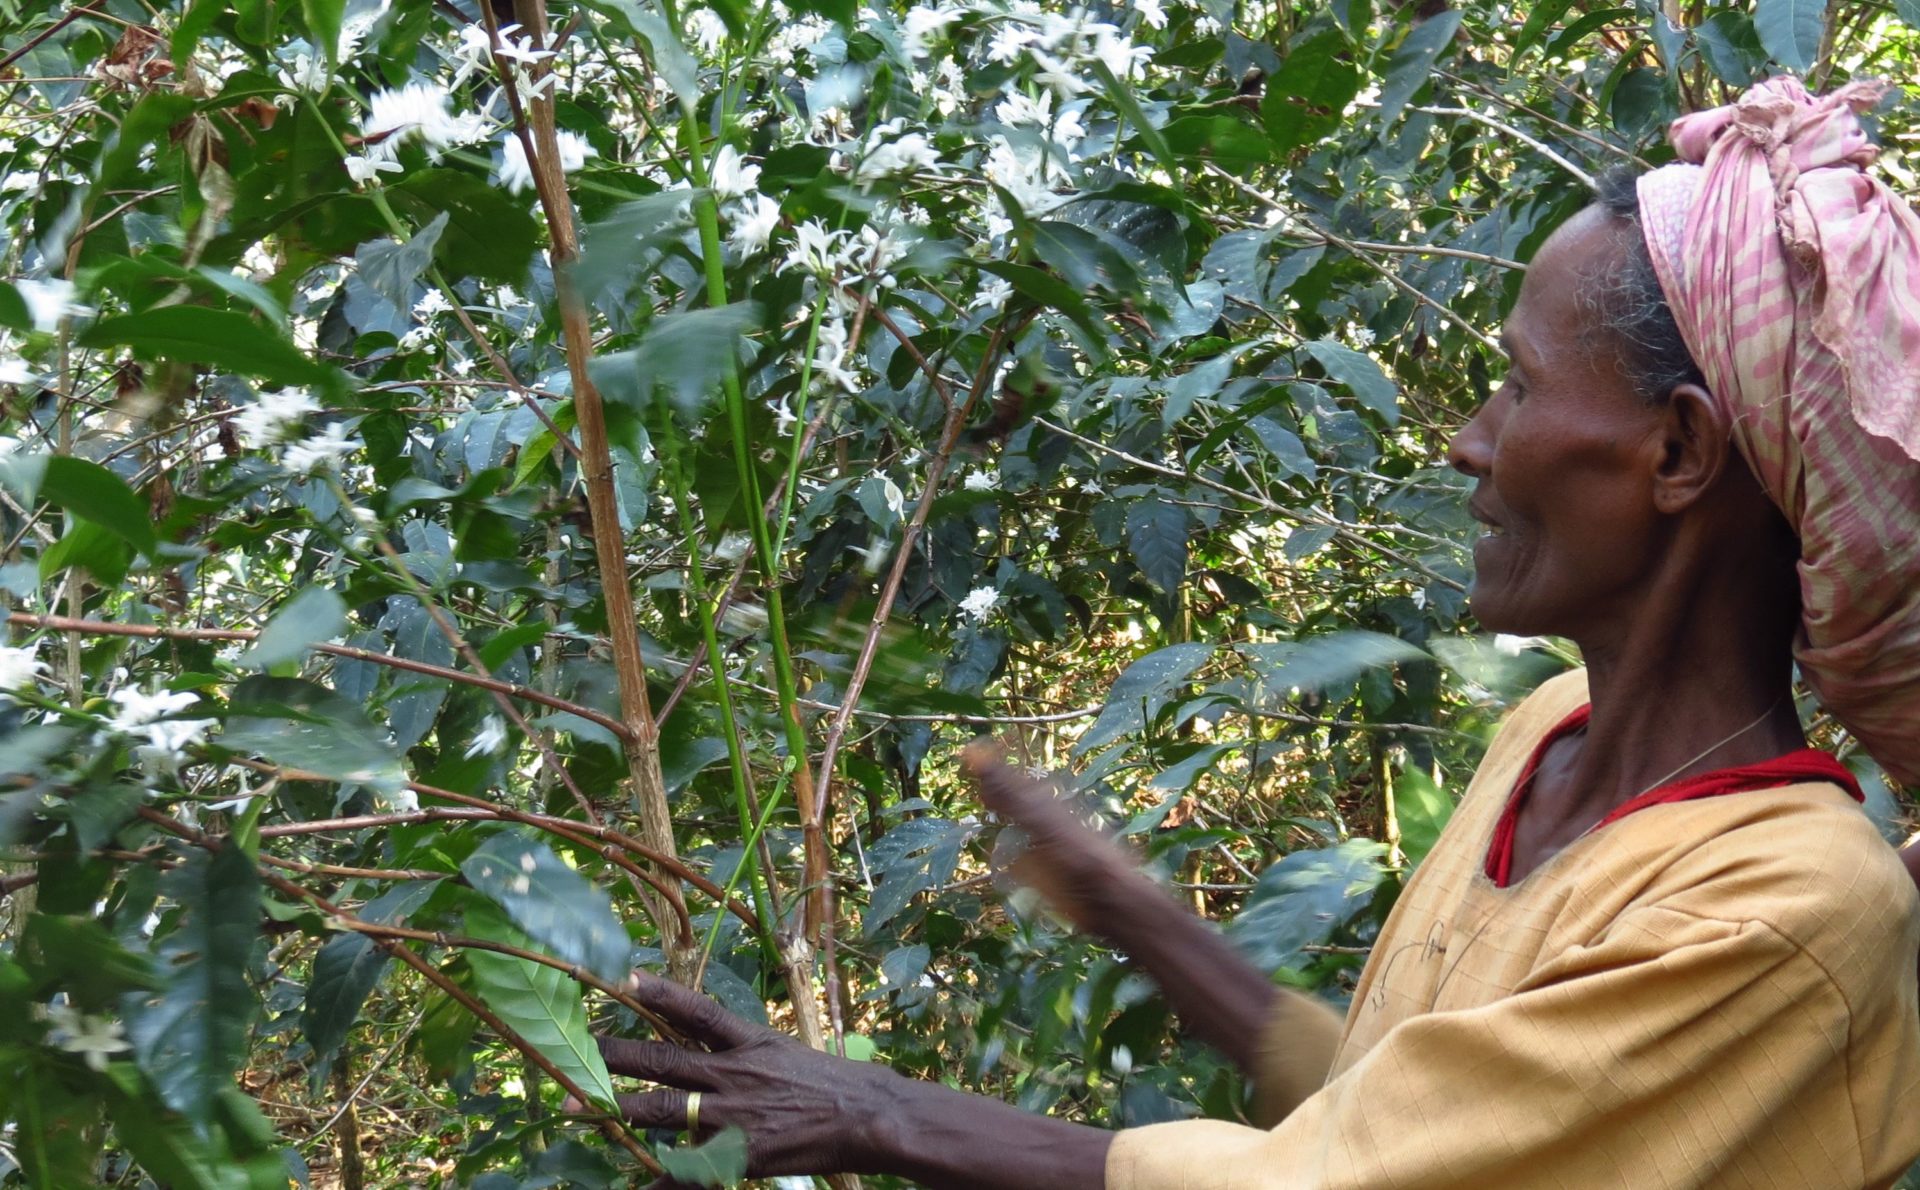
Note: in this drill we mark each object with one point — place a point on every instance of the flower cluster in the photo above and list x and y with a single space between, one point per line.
149 717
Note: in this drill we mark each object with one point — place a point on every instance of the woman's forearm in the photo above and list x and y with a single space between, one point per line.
1225 1000
950 1140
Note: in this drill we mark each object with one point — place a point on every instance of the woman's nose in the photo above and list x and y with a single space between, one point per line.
1471 451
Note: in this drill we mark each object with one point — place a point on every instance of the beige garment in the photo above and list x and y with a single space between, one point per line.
1717 993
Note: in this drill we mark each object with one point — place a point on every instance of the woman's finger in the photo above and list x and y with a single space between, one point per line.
655 1061
660 1109
698 1016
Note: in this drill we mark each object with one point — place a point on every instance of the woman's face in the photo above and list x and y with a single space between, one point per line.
1566 454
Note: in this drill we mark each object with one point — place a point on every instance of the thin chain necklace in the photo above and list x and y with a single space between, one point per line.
1710 750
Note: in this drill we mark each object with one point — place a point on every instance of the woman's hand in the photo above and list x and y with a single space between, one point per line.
1227 1001
1075 868
803 1112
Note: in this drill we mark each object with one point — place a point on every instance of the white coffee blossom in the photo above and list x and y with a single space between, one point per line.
474 53
731 177
49 300
269 419
830 355
816 249
1361 336
319 452
431 303
491 737
993 294
307 72
520 49
14 370
168 741
515 173
19 667
922 24
94 1038
707 30
1153 13
910 153
754 221
364 169
984 479
139 708
417 111
980 602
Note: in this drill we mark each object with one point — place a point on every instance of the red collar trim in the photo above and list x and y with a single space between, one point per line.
1801 765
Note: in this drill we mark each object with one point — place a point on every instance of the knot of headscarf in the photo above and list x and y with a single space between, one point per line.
1794 276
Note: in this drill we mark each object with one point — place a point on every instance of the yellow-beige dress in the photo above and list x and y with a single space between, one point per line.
1712 993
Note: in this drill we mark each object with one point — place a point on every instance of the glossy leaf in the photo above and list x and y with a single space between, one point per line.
1303 898
1141 691
567 915
190 1035
1790 30
311 617
218 338
538 1002
1361 375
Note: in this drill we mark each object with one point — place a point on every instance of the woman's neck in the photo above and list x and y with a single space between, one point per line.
1698 677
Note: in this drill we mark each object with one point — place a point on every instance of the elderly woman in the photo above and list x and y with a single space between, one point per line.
1658 944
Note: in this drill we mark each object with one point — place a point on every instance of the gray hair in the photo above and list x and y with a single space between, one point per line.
1653 356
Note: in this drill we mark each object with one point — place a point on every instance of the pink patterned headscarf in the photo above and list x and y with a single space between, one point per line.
1794 276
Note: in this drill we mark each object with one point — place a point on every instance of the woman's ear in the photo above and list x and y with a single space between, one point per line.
1696 443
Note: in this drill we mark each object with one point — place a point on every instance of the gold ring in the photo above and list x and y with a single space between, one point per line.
693 1111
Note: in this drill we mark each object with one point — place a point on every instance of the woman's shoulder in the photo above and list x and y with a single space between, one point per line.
1804 860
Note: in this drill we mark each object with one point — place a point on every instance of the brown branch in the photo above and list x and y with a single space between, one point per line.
613 1128
483 682
813 828
535 126
474 808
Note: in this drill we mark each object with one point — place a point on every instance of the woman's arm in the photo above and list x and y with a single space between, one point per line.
805 1112
1224 999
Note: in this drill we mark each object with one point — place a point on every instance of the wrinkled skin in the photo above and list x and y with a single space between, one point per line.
794 1103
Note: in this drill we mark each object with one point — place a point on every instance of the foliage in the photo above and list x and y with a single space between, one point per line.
478 520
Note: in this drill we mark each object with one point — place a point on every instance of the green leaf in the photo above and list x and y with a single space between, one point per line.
1304 898
52 1126
192 1034
487 233
1306 98
1412 63
1909 11
1319 664
1540 18
1121 96
721 1161
909 859
91 491
305 726
323 22
1790 30
563 911
392 269
1360 374
314 615
1731 48
1284 445
1157 536
669 56
686 352
538 1002
1423 809
1140 692
220 339
349 966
